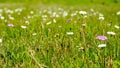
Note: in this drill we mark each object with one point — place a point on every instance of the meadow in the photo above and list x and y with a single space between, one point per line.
59 34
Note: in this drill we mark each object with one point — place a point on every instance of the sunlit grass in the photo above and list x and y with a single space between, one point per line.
59 36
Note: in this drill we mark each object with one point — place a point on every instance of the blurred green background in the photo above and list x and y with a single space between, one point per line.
66 2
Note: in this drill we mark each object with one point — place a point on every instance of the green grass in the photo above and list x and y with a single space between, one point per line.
51 47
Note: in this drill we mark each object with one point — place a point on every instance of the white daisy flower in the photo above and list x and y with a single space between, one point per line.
69 33
34 34
65 14
2 18
27 22
11 18
48 23
54 20
9 11
83 12
18 10
102 45
101 15
83 24
116 26
118 13
101 18
23 27
0 40
31 12
111 33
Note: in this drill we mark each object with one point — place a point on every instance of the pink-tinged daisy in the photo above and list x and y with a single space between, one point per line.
101 37
102 45
10 25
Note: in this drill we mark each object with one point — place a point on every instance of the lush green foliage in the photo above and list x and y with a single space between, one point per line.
55 36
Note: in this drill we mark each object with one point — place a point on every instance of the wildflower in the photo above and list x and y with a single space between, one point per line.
101 15
23 27
65 14
9 11
57 15
85 16
102 45
70 33
83 24
111 33
54 14
59 26
101 37
116 26
34 34
44 16
28 17
0 40
2 18
27 22
48 23
118 13
18 10
81 48
101 18
31 12
108 24
68 20
73 14
11 25
83 12
54 20
92 10
11 18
